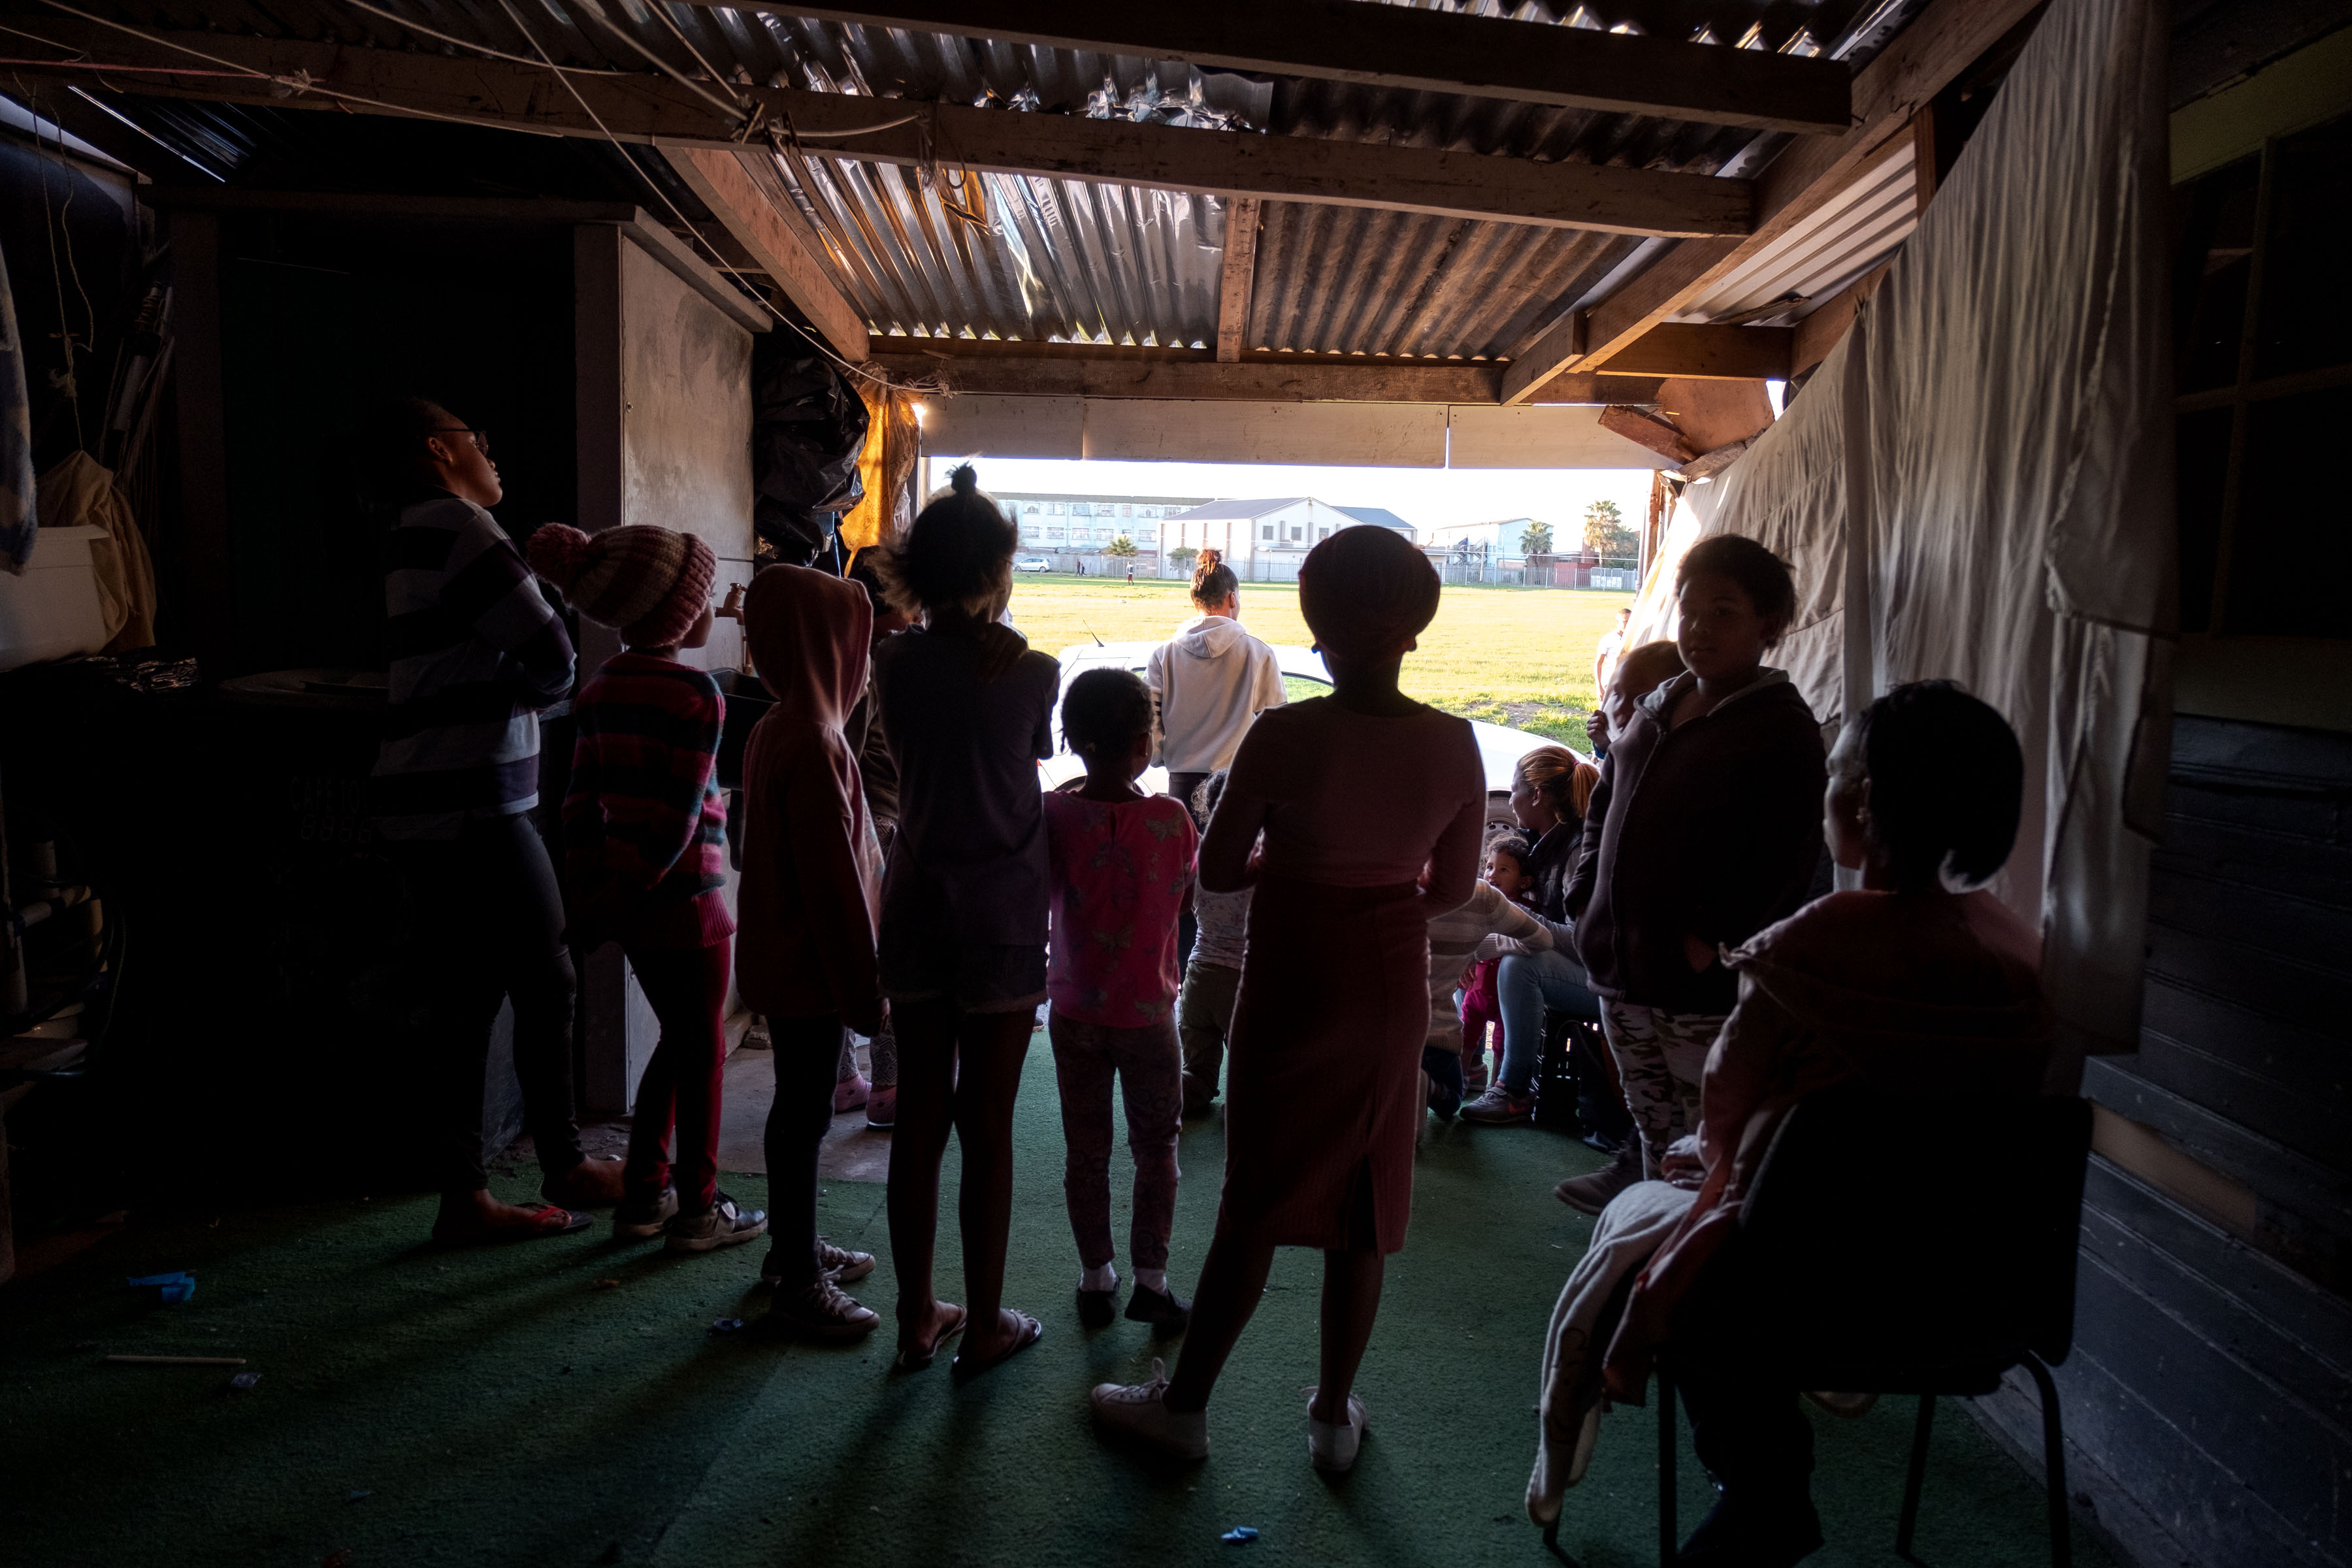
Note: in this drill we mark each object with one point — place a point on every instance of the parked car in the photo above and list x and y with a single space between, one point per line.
1032 564
1303 675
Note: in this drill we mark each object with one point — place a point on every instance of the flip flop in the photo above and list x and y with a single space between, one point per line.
965 1369
911 1360
546 1220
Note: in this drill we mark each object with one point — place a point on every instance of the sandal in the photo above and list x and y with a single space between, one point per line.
965 1369
911 1359
546 1220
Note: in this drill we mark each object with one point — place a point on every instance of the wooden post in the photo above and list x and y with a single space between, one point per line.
209 582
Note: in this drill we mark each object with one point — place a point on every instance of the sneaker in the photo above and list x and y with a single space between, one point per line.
851 1092
1163 1310
1498 1107
721 1225
1097 1308
1331 1446
1473 1078
1591 1195
1140 1410
843 1266
837 1264
821 1311
641 1222
882 1107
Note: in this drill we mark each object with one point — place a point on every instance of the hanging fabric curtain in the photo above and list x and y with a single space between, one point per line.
17 522
1977 484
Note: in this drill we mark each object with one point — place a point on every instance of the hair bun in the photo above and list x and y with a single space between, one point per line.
1211 556
964 480
557 552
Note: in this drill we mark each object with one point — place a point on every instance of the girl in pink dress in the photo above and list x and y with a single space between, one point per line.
1370 805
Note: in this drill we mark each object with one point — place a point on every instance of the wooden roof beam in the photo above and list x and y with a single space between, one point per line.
1925 58
1197 376
750 214
655 109
1240 275
1403 47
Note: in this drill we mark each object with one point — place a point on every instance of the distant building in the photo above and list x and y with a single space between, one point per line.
1264 540
1083 525
1501 539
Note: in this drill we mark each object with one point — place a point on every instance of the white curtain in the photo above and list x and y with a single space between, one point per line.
1977 484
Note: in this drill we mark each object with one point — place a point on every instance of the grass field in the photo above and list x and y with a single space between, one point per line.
1520 657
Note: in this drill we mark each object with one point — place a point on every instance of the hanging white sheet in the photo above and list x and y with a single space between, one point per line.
1977 484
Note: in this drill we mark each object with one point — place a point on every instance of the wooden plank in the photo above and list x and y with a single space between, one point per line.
655 109
1261 378
2303 1187
1646 297
1703 352
1240 273
1545 355
1943 41
1648 430
727 188
462 209
1488 437
1716 413
1403 47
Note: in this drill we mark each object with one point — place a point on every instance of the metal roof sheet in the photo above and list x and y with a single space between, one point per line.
1071 260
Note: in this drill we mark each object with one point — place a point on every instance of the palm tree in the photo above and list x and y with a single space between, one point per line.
1122 547
1536 539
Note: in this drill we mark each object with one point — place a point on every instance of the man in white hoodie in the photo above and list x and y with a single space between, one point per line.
1209 682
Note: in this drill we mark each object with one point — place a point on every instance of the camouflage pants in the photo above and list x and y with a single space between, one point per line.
1661 1056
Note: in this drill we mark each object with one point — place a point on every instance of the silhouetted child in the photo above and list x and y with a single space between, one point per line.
645 856
1213 977
1121 867
1705 828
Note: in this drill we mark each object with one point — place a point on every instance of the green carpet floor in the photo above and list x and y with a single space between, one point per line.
501 1407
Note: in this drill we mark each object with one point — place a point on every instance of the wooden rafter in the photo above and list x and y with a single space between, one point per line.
751 217
650 109
1259 379
1240 272
1944 41
1401 47
1708 354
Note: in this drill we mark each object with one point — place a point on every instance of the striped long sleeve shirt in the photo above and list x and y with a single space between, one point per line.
476 650
644 827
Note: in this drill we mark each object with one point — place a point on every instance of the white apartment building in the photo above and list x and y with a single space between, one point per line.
1264 540
1083 525
1501 539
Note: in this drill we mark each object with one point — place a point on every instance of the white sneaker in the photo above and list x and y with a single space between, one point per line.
1331 1446
1140 1410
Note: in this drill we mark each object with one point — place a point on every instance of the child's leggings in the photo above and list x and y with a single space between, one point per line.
1475 1015
687 989
805 1049
1205 1015
1661 1056
1150 1076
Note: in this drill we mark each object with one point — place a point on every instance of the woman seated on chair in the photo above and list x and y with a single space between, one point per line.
1918 982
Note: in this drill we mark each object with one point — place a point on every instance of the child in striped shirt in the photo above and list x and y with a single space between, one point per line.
645 858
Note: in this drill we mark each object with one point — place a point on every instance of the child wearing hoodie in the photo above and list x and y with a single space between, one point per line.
644 836
1210 682
812 879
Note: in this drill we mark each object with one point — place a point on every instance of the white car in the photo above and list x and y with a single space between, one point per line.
1032 564
1303 675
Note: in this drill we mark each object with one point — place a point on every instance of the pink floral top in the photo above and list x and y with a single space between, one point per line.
1119 873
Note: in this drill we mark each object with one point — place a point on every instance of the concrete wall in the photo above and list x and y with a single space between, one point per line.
664 437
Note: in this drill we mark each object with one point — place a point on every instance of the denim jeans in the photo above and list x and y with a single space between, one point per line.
1525 984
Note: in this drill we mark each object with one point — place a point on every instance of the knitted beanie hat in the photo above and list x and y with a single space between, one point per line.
651 583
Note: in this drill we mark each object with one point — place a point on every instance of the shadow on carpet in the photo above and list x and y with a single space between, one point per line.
566 1402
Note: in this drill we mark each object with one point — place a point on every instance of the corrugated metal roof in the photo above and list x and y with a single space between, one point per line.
1852 232
1070 260
1239 511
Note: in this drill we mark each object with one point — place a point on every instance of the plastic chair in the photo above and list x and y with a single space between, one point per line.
1898 1245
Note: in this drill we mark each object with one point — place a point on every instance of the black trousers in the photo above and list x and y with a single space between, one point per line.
489 927
1180 787
806 1053
1750 1431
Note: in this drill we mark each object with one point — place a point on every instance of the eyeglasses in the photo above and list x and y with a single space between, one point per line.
481 437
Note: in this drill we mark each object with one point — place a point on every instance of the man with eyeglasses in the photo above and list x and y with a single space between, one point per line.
476 650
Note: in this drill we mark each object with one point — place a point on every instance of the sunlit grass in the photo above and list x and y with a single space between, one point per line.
1520 657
